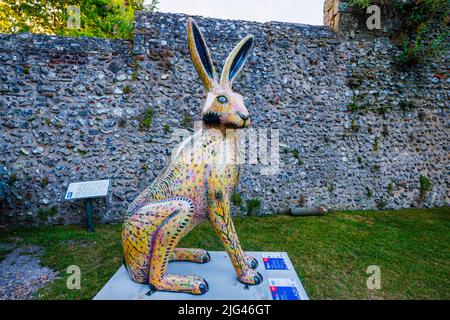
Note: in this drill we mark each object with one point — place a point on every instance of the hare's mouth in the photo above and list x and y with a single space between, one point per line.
211 119
214 119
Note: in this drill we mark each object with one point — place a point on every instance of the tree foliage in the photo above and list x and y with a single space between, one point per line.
98 18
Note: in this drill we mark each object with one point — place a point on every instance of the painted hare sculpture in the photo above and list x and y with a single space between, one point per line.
187 193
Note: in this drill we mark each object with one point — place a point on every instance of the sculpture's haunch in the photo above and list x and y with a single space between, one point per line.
149 239
192 190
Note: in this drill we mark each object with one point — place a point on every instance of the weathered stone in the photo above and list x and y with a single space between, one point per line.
78 122
121 77
38 150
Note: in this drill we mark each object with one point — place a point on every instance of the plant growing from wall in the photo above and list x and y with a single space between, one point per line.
127 89
353 107
355 127
187 120
425 186
376 168
44 182
296 155
135 74
422 116
236 199
383 110
147 120
406 105
359 159
391 188
82 152
369 192
381 204
385 131
330 186
376 144
166 128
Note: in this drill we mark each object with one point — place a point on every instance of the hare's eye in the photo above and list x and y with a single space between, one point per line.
222 99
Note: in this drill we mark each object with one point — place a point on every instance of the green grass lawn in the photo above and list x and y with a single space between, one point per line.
331 253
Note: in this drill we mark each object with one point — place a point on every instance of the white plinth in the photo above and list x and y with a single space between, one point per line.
219 273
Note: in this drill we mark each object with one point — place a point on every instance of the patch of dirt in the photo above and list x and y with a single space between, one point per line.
21 274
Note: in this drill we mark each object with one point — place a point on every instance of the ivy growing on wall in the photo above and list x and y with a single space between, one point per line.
424 29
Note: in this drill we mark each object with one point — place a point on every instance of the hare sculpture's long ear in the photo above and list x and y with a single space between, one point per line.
200 55
236 61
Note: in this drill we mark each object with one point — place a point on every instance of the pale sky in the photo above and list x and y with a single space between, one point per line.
297 11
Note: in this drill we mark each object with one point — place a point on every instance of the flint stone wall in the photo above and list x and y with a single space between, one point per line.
71 110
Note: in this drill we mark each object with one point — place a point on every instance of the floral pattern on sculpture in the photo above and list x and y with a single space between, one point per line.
192 190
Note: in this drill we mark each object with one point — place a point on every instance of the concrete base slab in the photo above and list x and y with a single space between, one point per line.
221 277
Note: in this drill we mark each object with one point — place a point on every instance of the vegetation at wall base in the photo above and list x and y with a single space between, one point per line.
425 186
330 253
253 205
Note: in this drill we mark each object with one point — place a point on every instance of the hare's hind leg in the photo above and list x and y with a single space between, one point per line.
137 233
190 255
165 238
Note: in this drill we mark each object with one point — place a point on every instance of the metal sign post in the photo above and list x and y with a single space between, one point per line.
89 215
88 190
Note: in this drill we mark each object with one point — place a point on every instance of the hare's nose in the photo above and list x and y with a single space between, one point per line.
243 116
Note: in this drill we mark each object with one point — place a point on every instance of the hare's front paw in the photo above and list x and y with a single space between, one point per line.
250 276
251 262
200 286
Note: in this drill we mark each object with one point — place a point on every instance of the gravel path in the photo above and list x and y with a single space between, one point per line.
21 275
